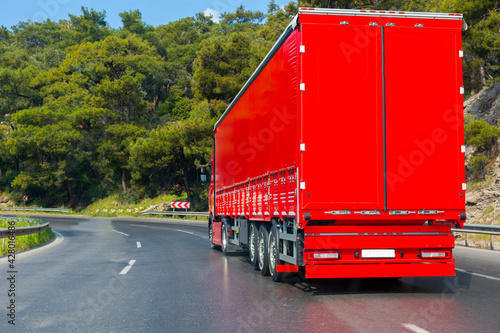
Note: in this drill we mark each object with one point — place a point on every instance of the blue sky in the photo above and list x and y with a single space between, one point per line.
153 12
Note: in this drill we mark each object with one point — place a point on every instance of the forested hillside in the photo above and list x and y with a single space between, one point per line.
87 111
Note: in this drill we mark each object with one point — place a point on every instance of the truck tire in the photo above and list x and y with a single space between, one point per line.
264 249
253 244
273 246
224 238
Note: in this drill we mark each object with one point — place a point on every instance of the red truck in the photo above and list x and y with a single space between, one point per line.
343 154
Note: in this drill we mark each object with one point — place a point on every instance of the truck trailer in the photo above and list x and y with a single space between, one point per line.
343 154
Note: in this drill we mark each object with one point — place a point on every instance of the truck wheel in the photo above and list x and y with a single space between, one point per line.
263 249
224 239
211 237
253 245
274 255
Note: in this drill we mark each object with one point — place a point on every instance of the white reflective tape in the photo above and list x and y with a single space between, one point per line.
302 147
463 149
302 86
462 90
461 54
302 48
302 185
464 186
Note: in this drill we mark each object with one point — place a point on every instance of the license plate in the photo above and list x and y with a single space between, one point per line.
378 253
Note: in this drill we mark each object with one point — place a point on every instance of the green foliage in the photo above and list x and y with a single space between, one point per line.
481 135
477 163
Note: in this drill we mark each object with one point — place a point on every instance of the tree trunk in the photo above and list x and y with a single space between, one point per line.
124 183
483 76
70 193
186 185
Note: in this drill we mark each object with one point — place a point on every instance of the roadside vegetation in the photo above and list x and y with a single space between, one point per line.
25 242
484 139
94 117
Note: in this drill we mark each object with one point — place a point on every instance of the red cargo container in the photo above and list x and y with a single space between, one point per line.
343 154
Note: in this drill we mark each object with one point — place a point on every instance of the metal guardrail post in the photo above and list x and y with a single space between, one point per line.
491 230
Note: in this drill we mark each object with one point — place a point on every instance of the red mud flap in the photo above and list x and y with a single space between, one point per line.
314 271
287 268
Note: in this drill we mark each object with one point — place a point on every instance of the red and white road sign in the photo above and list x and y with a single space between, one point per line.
25 198
179 204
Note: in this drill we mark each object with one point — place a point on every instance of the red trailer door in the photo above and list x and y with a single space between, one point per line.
423 118
342 118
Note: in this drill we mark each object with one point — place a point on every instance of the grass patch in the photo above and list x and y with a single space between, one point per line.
25 242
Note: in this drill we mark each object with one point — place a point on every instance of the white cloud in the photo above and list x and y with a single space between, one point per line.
212 12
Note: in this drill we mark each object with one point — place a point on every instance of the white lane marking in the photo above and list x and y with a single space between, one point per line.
415 328
138 225
477 274
127 268
187 232
58 234
139 245
120 232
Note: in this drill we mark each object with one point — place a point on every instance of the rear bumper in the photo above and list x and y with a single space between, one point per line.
315 271
405 245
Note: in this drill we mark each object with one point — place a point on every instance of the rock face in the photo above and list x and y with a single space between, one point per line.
485 105
163 207
483 205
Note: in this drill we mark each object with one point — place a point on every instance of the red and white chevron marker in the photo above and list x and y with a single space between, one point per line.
180 204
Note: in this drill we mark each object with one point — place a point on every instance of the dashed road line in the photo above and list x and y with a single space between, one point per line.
415 328
187 232
128 267
477 274
139 245
120 232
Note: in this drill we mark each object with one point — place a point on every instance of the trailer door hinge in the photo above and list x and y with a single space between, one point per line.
302 48
368 212
344 22
419 25
339 212
302 86
430 212
400 212
302 185
461 54
302 147
462 90
373 24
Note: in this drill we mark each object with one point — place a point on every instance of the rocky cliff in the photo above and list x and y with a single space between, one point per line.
483 198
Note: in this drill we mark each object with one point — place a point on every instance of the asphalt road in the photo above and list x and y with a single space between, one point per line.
172 281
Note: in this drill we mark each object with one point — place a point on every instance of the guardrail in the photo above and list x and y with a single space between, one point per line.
176 213
36 209
479 229
21 231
